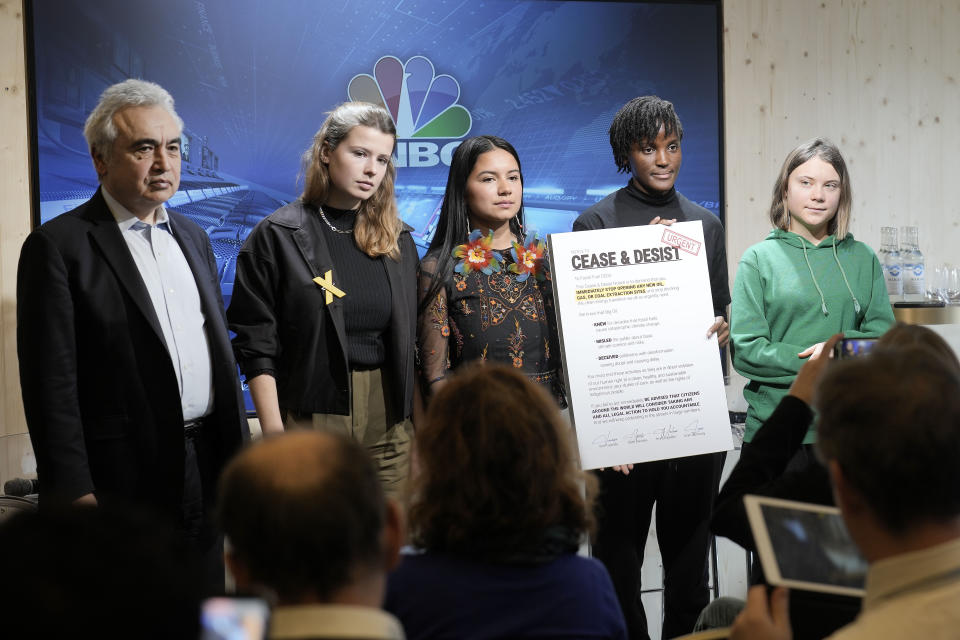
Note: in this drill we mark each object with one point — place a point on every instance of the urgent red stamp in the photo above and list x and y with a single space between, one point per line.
681 242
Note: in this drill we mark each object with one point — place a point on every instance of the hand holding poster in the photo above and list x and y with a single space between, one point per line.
633 307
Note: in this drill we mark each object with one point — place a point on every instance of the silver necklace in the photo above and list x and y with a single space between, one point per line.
333 228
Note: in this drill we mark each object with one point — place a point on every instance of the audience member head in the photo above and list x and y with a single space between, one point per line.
785 189
104 572
497 477
889 429
640 121
350 166
307 519
905 335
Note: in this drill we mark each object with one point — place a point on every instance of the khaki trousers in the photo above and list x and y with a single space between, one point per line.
389 445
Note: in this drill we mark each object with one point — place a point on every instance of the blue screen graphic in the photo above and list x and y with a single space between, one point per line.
253 81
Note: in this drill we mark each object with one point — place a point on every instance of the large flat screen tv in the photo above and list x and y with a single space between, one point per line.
253 80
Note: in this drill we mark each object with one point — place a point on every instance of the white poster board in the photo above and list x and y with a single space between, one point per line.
633 307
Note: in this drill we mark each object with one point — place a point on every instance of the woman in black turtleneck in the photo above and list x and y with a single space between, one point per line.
324 303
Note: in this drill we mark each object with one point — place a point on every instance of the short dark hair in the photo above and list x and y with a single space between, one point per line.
303 511
497 469
891 421
639 121
113 571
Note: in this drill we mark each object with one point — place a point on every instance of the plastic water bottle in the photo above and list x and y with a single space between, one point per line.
890 262
914 282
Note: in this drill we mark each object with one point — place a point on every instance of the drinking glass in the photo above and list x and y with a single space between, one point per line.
953 286
939 283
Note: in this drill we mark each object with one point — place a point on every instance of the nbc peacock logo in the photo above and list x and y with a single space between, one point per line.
423 106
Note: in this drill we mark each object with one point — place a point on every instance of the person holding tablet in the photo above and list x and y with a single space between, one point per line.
888 434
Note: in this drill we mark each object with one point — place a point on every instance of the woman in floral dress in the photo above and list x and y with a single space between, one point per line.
485 291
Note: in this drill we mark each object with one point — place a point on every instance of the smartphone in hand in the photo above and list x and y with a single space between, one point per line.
853 347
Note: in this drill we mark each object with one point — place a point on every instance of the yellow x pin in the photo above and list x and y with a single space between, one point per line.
329 288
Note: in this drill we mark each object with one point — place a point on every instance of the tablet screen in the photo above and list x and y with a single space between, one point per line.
807 546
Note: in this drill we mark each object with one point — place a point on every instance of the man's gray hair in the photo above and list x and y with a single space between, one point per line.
100 130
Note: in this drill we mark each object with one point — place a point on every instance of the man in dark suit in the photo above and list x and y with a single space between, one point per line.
129 383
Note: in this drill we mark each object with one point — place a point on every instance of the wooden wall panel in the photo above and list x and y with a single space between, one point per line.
14 208
879 77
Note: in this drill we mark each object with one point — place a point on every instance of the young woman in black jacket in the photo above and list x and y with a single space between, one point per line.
324 303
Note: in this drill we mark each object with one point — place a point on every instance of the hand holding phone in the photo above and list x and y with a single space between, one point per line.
810 373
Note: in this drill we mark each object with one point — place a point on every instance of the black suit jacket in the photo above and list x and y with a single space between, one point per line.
99 388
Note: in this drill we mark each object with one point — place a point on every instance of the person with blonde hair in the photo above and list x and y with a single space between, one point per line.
497 513
808 280
324 304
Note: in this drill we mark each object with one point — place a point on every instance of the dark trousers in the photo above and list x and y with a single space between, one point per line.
683 490
197 517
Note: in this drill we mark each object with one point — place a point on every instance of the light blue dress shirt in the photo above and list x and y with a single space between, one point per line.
173 292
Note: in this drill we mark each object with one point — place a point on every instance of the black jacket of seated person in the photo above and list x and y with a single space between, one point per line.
762 470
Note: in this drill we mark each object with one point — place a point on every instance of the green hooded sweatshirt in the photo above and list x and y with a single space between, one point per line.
790 294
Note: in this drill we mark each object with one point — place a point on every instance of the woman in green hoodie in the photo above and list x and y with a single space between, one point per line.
808 280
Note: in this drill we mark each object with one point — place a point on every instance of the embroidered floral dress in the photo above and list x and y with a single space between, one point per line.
494 305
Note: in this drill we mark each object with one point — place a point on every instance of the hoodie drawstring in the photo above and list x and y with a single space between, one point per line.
856 304
823 301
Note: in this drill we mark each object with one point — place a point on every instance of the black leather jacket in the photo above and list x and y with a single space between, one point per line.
283 324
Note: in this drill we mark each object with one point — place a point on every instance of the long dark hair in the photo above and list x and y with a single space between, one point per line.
453 227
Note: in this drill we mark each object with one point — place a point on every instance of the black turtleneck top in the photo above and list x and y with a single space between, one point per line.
629 207
366 306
